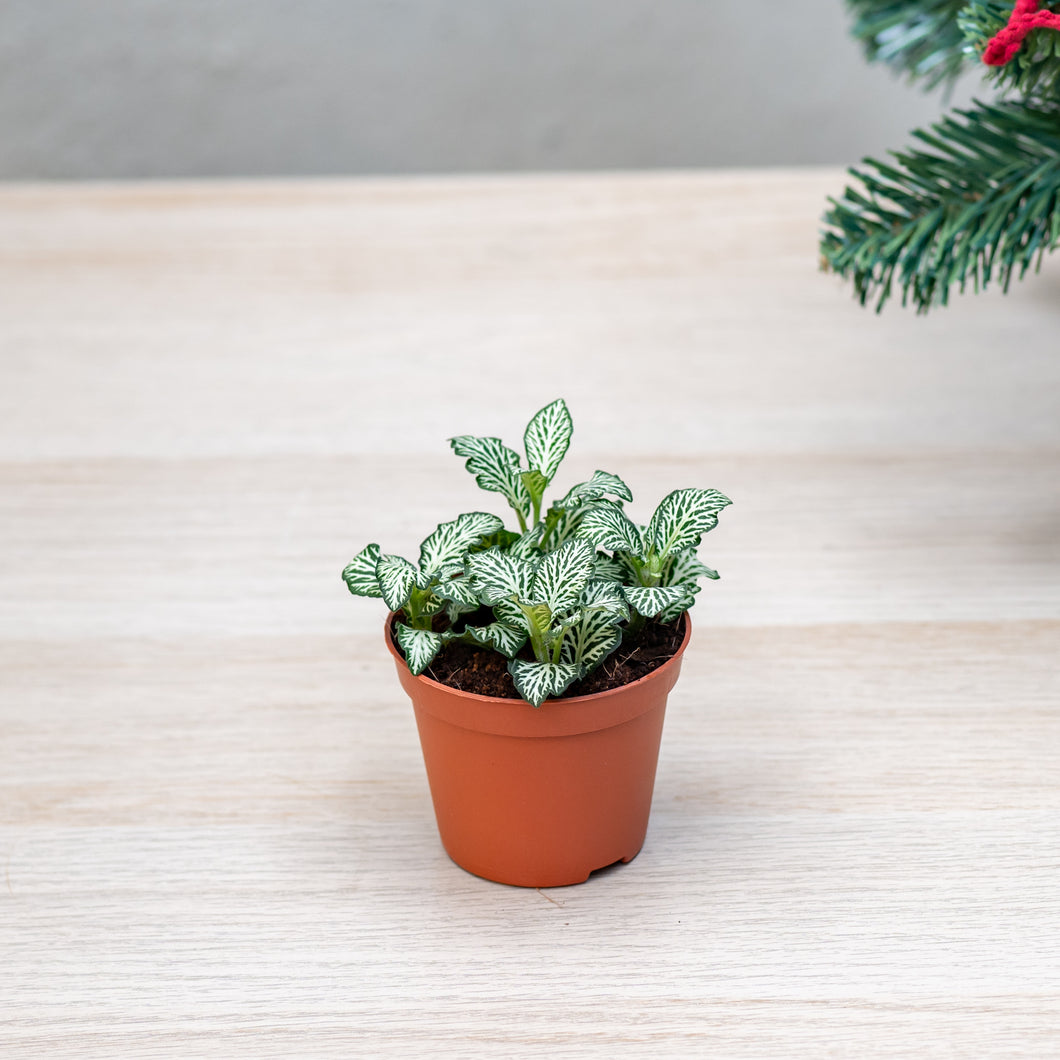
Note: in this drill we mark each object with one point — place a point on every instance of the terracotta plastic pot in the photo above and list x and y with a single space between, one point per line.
541 797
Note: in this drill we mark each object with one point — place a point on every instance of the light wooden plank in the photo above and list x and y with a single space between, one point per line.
215 832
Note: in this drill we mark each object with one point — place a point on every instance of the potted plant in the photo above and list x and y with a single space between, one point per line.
539 659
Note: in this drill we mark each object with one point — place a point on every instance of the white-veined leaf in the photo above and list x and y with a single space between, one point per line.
458 591
565 517
536 682
496 575
360 576
419 645
562 574
431 605
679 607
498 636
562 524
567 522
528 544
444 574
454 610
502 539
599 485
607 526
685 568
495 467
605 596
448 544
511 614
547 438
630 572
563 625
397 578
682 518
650 600
591 640
608 570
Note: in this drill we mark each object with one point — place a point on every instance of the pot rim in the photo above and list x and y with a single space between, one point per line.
594 697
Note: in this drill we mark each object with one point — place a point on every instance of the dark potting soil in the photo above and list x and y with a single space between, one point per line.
485 673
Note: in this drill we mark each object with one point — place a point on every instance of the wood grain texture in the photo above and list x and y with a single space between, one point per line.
215 832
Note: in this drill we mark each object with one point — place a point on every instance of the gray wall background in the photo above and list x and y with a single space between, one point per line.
155 88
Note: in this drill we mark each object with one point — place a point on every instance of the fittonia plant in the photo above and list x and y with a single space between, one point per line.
561 592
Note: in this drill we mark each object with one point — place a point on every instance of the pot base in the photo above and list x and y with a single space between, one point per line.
566 879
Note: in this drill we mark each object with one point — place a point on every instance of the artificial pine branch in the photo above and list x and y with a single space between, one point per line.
920 38
983 200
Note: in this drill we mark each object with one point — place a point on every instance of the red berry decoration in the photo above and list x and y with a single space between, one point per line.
1025 17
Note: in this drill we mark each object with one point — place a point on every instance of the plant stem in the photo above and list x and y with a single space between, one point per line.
549 527
557 646
634 626
537 634
537 642
414 610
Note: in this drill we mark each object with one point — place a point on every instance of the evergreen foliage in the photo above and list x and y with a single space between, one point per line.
921 39
977 198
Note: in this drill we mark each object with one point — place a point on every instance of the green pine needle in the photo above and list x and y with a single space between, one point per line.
982 200
921 38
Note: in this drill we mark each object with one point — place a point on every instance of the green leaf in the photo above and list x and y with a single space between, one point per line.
684 571
498 576
607 597
453 611
632 569
564 518
360 576
536 682
419 645
547 438
561 627
561 524
650 600
607 526
495 467
677 608
538 615
599 485
684 568
450 541
591 640
535 484
607 569
502 539
528 545
682 518
561 575
511 614
397 578
498 636
457 590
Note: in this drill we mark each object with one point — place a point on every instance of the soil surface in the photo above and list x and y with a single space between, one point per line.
485 673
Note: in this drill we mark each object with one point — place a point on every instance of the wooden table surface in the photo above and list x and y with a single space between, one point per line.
216 833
